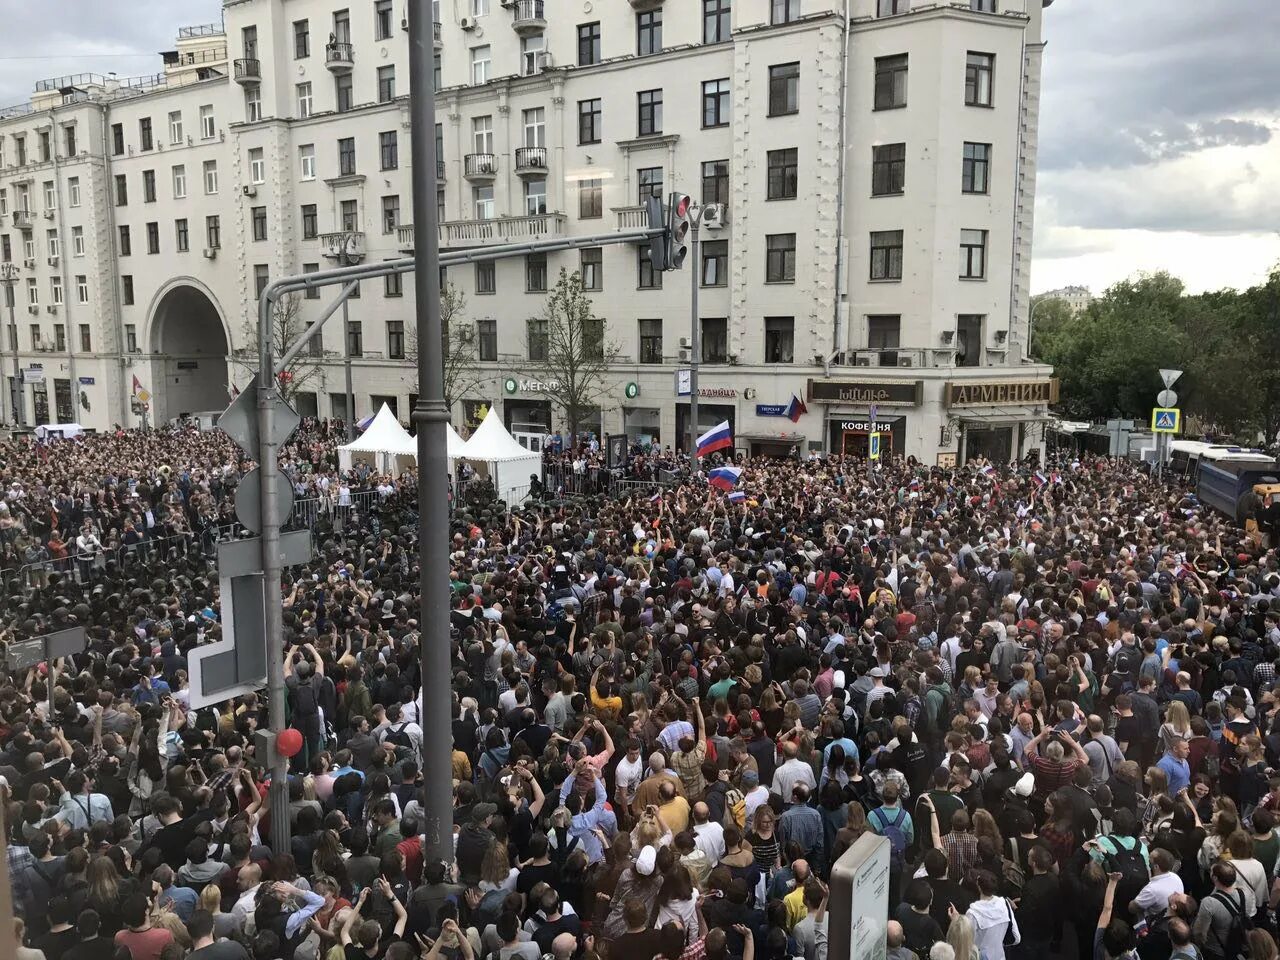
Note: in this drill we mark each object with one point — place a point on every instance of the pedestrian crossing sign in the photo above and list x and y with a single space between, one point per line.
873 446
1166 420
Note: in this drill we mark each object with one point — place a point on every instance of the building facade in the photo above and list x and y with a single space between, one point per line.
1077 298
874 159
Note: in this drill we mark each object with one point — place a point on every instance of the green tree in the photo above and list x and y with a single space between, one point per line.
568 352
1052 319
457 347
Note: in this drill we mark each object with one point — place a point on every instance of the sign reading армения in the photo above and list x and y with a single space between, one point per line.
989 392
897 393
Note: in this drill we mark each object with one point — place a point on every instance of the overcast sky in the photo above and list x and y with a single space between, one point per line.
1158 124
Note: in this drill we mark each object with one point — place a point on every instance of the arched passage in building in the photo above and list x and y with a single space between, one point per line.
189 341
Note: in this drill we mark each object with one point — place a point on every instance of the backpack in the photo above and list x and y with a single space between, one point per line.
397 737
1013 878
1129 864
1129 662
892 831
1235 945
735 808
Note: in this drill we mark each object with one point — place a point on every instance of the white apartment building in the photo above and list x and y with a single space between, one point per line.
876 160
1077 298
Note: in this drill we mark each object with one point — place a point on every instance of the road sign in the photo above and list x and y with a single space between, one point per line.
1167 398
1166 420
240 420
144 397
873 446
1170 377
249 500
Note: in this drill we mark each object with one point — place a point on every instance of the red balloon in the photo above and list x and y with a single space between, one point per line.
288 742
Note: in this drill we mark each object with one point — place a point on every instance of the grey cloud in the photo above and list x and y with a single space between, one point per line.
1176 139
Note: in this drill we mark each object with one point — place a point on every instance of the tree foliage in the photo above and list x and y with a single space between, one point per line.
457 347
287 326
573 355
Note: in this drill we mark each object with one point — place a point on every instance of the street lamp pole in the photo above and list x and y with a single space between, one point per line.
695 340
8 277
347 240
430 416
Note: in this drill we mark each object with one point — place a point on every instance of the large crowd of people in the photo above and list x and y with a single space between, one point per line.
1049 687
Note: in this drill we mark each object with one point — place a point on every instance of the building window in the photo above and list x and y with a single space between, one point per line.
395 339
537 340
481 64
440 206
979 71
650 341
307 161
715 181
259 220
382 20
883 334
117 138
389 150
479 8
77 241
82 296
208 124
349 215
436 73
153 238
974 177
86 336
33 298
49 198
257 167
59 331
716 23
249 43
715 340
305 100
484 206
487 334
779 339
591 266
148 186
126 242
390 214
482 134
780 258
309 221
386 83
52 240
311 293
650 279
888 169
69 137
649 32
784 89
982 6
535 273
355 339
179 182
130 330
649 181
590 199
182 235
535 197
589 121
146 140
73 191
891 82
253 104
55 297
301 39
715 263
347 156
973 254
261 277
211 176
588 44
782 174
969 339
344 92
393 285
486 277
784 11
535 127
715 103
886 255
213 231
891 8
649 121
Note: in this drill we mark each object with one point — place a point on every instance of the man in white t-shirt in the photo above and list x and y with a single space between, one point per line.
1153 899
627 776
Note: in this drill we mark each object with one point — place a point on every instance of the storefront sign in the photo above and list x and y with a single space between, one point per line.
718 393
87 381
771 409
993 392
188 364
631 391
513 385
899 393
866 426
33 375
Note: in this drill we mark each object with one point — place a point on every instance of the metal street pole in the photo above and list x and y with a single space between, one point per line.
346 349
430 415
9 278
695 339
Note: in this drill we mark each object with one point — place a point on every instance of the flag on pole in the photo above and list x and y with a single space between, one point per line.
364 424
656 497
737 496
717 438
137 384
1039 479
726 478
988 470
796 409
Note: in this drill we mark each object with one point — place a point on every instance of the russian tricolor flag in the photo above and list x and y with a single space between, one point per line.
737 496
988 470
796 409
717 438
726 478
656 497
363 425
1039 479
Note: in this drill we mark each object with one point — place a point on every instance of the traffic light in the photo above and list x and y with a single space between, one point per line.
658 242
679 223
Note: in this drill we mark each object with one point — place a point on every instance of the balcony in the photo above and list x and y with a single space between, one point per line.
530 17
339 57
631 218
22 219
531 161
439 40
480 167
484 233
645 4
348 242
248 72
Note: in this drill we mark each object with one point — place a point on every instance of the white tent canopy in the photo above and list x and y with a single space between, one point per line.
457 445
509 465
386 444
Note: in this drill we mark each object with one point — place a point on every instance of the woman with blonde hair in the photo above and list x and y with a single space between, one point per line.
1223 825
1176 726
224 924
984 825
168 920
496 872
960 936
763 838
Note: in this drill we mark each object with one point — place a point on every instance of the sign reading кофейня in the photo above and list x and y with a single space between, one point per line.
987 392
